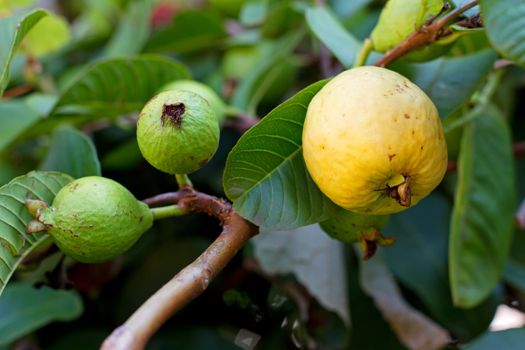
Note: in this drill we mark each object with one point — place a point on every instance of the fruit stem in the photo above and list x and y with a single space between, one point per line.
167 212
362 55
183 180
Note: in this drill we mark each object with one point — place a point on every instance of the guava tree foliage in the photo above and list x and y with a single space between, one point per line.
74 76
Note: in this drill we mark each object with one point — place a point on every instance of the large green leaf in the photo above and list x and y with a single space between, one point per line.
24 309
15 118
272 67
265 174
422 234
333 35
189 31
482 219
450 82
133 30
505 23
12 31
15 243
118 86
509 339
73 153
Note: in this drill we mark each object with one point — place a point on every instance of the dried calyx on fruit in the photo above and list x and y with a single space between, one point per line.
349 227
92 219
178 131
373 141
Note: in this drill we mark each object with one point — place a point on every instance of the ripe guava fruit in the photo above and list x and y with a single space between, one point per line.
94 219
178 131
373 141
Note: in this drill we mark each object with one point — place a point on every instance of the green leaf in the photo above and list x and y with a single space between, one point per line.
515 274
15 118
450 82
15 243
12 31
265 174
509 339
48 35
414 329
24 309
313 257
73 153
117 86
482 219
333 35
133 30
265 76
189 31
422 234
390 30
505 24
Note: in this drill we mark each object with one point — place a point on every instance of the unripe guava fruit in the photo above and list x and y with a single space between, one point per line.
94 219
349 227
373 141
204 91
178 131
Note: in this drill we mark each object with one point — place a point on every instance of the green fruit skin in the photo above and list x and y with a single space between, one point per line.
94 219
178 148
217 104
350 227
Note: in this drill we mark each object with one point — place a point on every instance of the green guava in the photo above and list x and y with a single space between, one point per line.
217 104
94 219
349 227
178 131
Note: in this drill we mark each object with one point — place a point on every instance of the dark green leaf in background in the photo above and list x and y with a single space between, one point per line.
133 30
505 23
72 153
15 118
419 259
118 86
482 219
15 244
333 35
272 66
450 82
188 32
265 174
12 31
24 309
509 339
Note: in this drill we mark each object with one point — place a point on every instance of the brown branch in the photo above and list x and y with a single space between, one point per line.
427 34
18 91
194 278
518 149
241 123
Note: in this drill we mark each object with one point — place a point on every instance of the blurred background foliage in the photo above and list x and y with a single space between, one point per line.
76 76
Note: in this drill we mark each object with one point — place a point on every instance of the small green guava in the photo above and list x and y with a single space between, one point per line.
349 227
178 131
217 104
94 219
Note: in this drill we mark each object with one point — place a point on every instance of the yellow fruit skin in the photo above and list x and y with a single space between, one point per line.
367 126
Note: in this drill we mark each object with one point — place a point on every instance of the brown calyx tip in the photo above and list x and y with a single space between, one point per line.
172 113
401 193
371 240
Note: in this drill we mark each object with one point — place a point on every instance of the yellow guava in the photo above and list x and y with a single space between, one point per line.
94 219
373 141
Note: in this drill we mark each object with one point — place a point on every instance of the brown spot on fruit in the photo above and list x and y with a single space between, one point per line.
172 113
406 116
390 156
